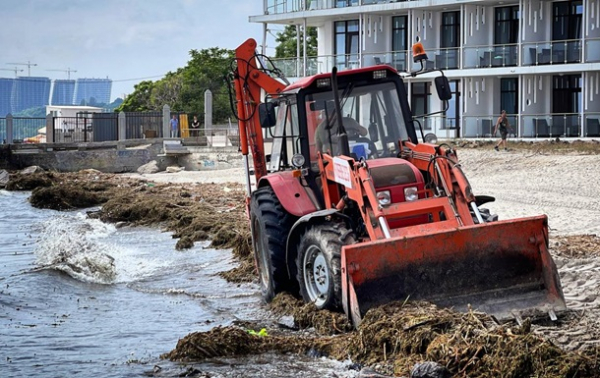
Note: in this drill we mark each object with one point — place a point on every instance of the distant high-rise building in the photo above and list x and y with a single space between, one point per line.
30 92
63 92
6 86
92 91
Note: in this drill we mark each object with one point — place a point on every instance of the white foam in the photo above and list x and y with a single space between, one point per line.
69 243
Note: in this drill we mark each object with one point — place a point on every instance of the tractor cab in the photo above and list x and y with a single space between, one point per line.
302 119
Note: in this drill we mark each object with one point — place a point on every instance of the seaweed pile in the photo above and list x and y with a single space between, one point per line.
395 337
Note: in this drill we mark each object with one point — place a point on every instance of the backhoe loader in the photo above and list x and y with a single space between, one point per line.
350 210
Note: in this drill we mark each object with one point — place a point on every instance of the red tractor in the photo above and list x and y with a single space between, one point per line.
350 210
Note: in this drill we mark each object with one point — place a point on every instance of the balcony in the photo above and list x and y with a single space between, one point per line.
489 56
548 125
290 6
551 52
294 67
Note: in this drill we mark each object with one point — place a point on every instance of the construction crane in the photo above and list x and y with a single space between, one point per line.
68 71
28 64
15 70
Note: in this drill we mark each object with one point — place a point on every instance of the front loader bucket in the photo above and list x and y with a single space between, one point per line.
501 268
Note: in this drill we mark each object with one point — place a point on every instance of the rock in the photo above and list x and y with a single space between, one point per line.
30 170
429 369
149 168
4 177
174 169
370 373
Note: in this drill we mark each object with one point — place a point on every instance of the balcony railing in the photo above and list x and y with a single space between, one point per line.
443 59
551 52
294 67
290 6
487 56
548 125
483 126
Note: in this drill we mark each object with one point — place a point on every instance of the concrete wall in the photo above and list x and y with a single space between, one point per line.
204 158
109 161
118 160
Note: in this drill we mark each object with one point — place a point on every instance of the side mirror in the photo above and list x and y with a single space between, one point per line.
266 114
443 88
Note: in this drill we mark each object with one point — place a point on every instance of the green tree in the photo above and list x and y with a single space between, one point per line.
287 42
206 70
139 100
184 90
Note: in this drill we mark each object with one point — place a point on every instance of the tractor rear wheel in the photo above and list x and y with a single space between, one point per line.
319 266
270 225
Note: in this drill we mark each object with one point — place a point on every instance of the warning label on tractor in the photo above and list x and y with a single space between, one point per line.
341 172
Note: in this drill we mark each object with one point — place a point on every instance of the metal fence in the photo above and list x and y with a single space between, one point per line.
91 127
144 125
24 129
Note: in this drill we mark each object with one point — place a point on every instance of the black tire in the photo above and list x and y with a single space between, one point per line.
318 264
270 226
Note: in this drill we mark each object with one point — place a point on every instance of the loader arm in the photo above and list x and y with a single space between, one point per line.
249 82
453 258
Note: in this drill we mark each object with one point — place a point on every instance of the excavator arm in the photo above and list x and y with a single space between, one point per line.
249 82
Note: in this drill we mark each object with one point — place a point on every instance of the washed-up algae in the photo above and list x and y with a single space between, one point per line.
394 337
469 344
576 246
306 315
31 181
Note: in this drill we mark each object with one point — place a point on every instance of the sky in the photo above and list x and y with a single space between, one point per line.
127 41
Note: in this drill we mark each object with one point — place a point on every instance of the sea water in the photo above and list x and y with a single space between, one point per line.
82 298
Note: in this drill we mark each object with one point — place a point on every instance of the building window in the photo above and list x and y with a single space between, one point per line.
450 36
420 97
567 18
450 39
346 44
452 114
566 104
509 99
566 94
566 31
400 42
507 25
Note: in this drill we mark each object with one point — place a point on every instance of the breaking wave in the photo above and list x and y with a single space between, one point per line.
71 243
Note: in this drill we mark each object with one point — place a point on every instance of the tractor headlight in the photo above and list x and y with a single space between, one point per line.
410 193
298 160
384 198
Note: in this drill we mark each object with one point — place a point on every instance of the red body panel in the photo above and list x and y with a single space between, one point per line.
292 195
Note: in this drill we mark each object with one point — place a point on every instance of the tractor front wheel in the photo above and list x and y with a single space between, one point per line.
318 264
270 225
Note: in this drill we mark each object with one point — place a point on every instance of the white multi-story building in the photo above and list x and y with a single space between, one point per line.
538 60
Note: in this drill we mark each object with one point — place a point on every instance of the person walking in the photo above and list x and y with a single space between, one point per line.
502 125
174 127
